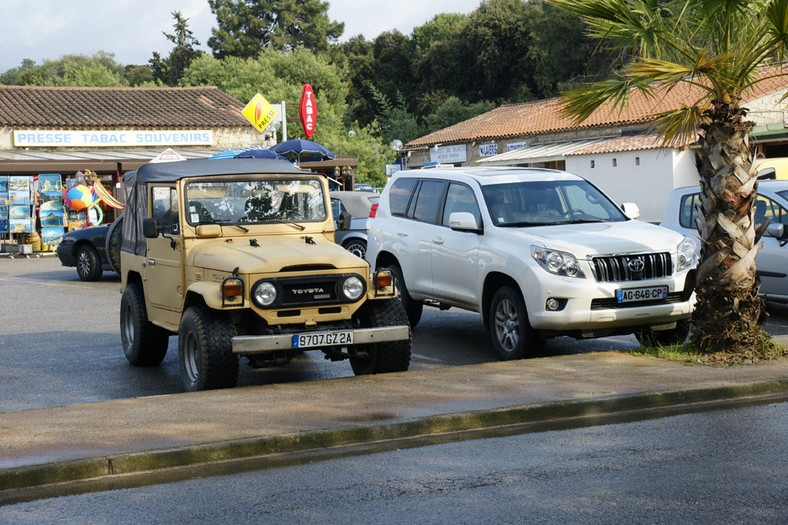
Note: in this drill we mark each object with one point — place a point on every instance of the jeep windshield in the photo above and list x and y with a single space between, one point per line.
542 203
265 201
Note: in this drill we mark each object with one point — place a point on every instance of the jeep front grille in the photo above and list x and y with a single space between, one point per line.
621 268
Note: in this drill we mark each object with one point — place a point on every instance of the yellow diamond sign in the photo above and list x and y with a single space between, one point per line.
259 112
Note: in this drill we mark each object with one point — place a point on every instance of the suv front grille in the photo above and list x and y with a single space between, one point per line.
622 268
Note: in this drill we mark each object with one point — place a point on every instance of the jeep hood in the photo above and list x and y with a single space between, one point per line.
272 254
599 238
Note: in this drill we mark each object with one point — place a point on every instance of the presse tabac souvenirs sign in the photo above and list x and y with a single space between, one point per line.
43 138
259 112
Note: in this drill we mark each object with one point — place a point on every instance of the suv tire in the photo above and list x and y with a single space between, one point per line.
391 356
144 343
205 350
413 309
511 333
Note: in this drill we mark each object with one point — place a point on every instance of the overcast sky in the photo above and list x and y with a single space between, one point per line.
132 29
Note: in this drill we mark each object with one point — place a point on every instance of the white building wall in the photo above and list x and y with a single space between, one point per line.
644 177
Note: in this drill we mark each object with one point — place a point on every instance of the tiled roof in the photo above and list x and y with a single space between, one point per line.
544 116
626 143
97 108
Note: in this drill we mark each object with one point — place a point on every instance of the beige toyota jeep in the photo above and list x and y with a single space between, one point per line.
236 257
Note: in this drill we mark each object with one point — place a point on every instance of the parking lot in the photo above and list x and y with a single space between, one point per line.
60 342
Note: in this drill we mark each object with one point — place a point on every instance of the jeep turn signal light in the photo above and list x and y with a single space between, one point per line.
383 279
232 290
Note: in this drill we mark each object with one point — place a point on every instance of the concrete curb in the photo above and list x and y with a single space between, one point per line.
225 457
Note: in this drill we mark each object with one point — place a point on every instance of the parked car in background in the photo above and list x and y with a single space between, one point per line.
358 205
538 253
772 204
363 186
92 250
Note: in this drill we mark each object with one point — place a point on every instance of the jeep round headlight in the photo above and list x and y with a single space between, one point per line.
353 287
264 293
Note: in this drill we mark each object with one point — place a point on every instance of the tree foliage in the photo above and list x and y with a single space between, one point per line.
721 50
246 27
170 70
100 70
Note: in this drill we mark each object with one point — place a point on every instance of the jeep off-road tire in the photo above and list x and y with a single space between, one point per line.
413 309
390 356
113 242
511 333
205 350
144 343
674 336
88 263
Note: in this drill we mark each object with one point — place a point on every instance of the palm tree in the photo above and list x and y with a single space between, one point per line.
723 48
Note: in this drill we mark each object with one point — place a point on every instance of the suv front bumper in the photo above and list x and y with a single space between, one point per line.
257 344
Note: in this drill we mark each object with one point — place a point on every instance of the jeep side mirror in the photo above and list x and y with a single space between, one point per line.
343 222
150 229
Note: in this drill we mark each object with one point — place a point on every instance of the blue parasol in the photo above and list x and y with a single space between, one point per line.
255 152
300 150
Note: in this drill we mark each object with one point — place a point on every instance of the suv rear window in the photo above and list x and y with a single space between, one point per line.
399 195
428 201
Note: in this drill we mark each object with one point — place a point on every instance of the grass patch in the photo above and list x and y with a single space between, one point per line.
686 353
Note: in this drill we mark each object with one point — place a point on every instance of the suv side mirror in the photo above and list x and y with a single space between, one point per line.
464 222
775 229
343 222
631 210
150 229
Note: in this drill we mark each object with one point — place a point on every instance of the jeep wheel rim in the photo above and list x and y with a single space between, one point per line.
507 325
190 365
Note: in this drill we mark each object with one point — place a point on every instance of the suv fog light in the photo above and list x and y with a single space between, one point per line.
553 304
265 294
353 287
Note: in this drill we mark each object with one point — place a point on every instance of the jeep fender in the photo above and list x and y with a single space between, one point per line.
210 292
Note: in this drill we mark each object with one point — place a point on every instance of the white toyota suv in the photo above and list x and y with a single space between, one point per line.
539 253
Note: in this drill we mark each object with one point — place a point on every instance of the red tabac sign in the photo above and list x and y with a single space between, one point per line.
308 111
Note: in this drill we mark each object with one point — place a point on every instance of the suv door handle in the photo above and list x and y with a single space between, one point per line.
402 234
437 240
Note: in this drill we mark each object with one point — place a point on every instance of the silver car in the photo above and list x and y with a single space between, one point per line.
772 205
358 205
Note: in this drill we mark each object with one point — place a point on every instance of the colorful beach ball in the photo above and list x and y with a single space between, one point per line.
79 197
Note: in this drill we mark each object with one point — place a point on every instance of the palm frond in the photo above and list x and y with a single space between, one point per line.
579 104
678 127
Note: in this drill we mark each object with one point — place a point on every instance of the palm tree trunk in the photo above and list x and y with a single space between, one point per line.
729 315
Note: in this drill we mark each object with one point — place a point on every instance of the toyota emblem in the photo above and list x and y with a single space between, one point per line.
636 265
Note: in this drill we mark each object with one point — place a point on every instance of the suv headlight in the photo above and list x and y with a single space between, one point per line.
264 293
688 252
557 262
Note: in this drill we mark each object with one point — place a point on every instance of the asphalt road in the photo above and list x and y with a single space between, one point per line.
60 342
711 467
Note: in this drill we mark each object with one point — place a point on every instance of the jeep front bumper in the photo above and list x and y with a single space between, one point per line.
256 344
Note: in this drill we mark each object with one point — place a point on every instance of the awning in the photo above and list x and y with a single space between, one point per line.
32 162
769 133
540 153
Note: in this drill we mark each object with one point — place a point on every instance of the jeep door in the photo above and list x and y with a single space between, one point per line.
164 269
455 254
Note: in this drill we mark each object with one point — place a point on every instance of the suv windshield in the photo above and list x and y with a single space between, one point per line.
255 201
542 203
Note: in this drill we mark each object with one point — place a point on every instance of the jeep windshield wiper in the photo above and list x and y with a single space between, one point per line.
226 222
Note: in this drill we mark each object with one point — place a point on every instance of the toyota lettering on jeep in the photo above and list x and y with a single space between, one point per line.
237 258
